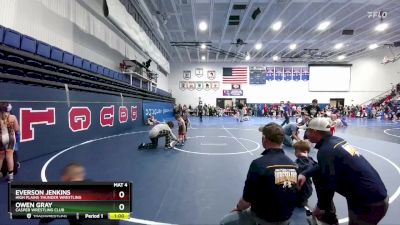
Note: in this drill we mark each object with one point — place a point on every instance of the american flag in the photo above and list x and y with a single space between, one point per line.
234 75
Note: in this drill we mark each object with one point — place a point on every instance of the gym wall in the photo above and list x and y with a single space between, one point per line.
369 78
49 124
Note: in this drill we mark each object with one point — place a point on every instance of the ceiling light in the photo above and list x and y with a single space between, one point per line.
323 25
203 26
373 46
292 46
341 57
381 27
203 57
247 58
258 46
275 58
276 26
338 46
203 46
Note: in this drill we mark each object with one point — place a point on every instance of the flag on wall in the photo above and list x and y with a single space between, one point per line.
234 75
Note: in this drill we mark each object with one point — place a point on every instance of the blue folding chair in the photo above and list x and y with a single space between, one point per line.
1 34
68 58
1 40
29 44
56 54
93 67
44 50
100 70
13 39
86 65
106 72
78 62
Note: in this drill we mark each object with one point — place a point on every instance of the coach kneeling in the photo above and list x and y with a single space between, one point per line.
269 194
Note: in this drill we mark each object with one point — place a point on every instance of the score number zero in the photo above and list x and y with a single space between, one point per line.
121 194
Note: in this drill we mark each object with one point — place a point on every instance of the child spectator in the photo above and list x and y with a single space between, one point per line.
304 162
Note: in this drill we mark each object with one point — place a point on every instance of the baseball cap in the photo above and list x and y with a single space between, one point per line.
319 123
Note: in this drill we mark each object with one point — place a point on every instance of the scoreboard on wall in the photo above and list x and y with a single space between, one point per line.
78 200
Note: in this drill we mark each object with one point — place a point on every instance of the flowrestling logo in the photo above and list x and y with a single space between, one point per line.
79 118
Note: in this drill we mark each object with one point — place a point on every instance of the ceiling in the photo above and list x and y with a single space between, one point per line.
179 21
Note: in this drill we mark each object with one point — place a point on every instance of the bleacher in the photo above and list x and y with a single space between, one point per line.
27 60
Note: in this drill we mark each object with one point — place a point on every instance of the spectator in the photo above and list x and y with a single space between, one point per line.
269 195
286 116
313 110
8 127
345 171
200 111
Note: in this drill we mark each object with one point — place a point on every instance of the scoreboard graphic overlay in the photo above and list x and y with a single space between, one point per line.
79 200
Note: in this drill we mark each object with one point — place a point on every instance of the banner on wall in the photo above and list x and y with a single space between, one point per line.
191 85
270 72
215 85
187 75
207 85
47 120
199 85
257 75
287 73
199 72
211 74
278 73
162 111
182 85
305 74
235 92
296 73
235 86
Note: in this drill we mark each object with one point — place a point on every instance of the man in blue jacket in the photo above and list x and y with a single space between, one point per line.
269 195
343 170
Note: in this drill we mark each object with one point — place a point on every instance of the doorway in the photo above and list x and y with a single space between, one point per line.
242 101
224 102
337 102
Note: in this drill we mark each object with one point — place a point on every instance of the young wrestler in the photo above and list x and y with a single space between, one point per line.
181 129
158 131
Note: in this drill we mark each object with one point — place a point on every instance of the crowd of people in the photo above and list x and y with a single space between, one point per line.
384 108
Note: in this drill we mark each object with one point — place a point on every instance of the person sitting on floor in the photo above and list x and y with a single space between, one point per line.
158 131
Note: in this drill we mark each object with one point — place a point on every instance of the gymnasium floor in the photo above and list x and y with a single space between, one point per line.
203 180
